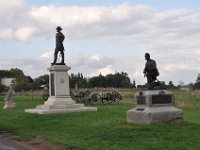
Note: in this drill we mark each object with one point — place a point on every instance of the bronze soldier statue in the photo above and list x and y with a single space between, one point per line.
59 46
150 70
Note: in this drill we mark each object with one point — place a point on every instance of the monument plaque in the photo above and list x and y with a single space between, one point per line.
52 85
140 100
161 99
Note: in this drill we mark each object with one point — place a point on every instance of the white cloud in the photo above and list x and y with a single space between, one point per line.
120 23
176 67
47 56
95 58
6 35
10 10
137 74
172 36
24 34
104 71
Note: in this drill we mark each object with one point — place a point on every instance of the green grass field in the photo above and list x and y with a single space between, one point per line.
105 129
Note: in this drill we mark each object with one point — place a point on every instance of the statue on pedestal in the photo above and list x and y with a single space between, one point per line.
155 104
151 72
59 47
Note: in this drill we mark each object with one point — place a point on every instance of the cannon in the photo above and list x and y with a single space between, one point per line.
110 97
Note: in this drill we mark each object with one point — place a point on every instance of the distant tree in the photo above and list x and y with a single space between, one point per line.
191 84
18 75
171 85
97 81
117 80
5 73
41 81
197 83
181 83
134 84
77 79
29 79
24 85
2 87
141 86
22 81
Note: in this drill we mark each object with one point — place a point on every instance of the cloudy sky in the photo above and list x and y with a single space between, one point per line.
103 36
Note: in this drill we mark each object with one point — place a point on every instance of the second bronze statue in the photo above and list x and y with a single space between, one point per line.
59 47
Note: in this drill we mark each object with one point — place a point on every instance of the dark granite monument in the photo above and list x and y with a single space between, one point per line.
59 47
155 104
150 70
151 73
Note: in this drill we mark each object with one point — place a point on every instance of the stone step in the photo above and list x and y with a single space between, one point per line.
48 107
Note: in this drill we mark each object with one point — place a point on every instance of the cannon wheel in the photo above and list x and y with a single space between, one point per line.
93 99
106 98
86 100
96 98
117 97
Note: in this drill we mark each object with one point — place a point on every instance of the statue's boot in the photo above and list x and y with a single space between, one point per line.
55 59
63 58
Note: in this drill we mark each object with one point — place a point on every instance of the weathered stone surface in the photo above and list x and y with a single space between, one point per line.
154 98
60 100
9 102
154 106
58 111
151 115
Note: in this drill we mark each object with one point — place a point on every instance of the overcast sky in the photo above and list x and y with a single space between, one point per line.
103 36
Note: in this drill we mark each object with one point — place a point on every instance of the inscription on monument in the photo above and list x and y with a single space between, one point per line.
52 85
62 81
161 99
140 100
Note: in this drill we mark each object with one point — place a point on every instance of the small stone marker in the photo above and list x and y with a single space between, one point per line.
9 102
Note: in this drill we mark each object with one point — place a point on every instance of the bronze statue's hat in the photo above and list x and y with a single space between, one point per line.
59 28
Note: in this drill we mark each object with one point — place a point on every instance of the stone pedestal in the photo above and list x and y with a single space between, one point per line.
9 104
59 100
154 106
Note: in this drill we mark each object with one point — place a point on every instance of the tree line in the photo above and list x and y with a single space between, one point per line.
116 80
23 82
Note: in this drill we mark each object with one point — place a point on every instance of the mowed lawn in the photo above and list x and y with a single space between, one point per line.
105 129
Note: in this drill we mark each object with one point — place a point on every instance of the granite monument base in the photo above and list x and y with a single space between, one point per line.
57 105
60 100
9 104
152 115
154 107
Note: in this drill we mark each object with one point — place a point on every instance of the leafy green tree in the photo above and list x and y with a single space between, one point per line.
77 79
5 73
197 83
18 75
2 87
41 81
117 80
134 84
97 81
22 81
171 85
